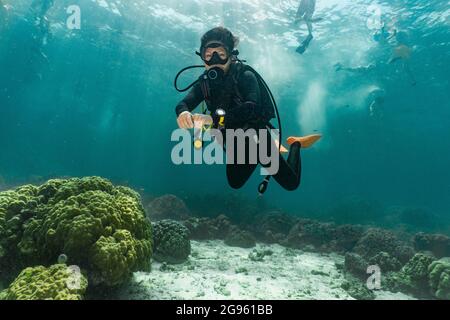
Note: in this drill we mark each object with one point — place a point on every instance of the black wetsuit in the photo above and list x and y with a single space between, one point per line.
242 107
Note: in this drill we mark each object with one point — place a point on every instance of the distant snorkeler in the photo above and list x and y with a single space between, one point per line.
358 70
238 98
382 34
402 52
376 96
305 13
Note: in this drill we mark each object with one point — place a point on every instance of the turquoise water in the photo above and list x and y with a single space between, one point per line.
100 100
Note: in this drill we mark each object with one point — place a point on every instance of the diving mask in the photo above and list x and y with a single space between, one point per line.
215 58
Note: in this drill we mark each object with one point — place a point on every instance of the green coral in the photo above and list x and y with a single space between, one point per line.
171 241
15 208
417 267
100 227
413 277
439 278
377 240
385 261
57 282
357 289
113 256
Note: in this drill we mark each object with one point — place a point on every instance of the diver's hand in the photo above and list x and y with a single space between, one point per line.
185 120
202 119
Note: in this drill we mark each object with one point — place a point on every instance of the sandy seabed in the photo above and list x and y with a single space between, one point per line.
217 271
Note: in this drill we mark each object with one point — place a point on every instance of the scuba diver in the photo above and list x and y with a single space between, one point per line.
305 13
238 98
358 70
